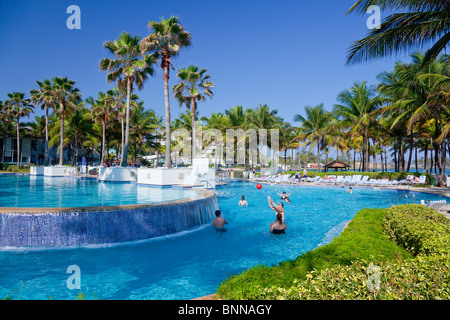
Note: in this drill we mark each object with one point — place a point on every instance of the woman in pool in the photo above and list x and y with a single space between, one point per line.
278 226
284 196
243 202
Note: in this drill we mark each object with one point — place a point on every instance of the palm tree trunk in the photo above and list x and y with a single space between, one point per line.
167 161
425 158
103 141
61 141
318 157
18 142
193 126
127 126
46 137
123 137
395 158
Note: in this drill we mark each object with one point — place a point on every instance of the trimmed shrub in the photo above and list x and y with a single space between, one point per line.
422 231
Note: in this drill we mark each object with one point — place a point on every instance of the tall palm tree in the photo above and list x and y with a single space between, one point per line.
264 118
194 85
236 116
18 107
102 111
128 67
417 24
6 125
289 139
166 39
315 127
357 109
44 95
66 97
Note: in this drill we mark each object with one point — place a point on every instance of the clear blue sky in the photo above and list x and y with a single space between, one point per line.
285 53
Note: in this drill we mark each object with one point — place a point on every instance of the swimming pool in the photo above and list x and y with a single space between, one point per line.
193 263
59 192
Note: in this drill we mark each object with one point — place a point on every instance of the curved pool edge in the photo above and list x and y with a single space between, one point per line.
85 226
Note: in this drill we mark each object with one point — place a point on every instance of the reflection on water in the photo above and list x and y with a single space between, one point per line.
42 191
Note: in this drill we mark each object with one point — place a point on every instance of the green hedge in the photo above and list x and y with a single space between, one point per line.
418 229
363 239
14 168
421 231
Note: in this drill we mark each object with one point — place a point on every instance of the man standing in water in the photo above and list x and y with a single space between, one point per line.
219 222
279 209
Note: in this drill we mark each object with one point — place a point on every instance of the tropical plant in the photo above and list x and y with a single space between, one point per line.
18 107
128 67
357 110
417 24
166 39
66 97
194 85
315 127
44 95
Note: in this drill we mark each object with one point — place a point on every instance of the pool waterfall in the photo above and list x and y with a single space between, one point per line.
71 227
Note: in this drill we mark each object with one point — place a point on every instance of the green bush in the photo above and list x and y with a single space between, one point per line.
418 229
363 239
421 278
422 231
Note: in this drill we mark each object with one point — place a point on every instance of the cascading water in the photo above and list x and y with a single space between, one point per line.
92 226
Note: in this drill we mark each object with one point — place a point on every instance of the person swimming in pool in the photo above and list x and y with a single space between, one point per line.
284 196
243 202
279 209
219 222
278 226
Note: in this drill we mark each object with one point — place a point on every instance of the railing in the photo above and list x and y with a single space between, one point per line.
398 198
208 185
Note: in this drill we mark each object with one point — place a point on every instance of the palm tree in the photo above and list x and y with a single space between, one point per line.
126 69
5 125
18 107
289 139
357 109
102 111
145 127
236 116
166 39
315 127
193 87
38 130
65 97
45 96
418 23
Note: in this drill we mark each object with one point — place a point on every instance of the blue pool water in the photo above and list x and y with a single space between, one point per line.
193 263
40 191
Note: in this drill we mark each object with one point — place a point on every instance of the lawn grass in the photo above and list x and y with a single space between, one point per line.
364 238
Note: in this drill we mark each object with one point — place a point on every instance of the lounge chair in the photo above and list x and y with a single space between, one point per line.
382 182
315 179
347 180
437 205
408 180
422 179
356 178
363 180
339 179
331 179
